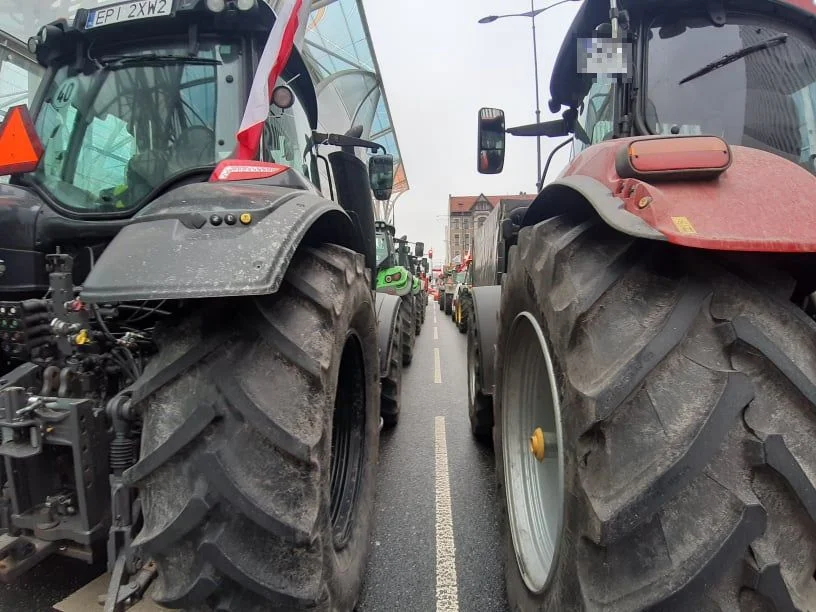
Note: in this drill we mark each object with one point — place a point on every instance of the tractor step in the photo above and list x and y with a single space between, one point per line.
86 599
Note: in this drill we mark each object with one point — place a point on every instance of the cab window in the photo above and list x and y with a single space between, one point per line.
596 116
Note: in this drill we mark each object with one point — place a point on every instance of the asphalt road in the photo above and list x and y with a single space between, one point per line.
405 572
435 544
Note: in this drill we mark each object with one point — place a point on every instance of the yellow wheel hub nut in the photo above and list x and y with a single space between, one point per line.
537 445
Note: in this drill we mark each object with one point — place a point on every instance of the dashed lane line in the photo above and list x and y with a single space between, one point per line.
447 595
437 367
436 333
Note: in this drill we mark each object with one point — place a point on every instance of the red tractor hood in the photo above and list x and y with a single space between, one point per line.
762 202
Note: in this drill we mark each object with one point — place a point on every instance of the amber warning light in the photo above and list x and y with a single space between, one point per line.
674 158
20 147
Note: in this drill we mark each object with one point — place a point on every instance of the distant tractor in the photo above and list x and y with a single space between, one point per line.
491 243
461 295
654 410
448 287
394 277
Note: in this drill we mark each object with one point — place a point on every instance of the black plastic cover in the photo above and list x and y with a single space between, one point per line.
22 267
174 250
488 244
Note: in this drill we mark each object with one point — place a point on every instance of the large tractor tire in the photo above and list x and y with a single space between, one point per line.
448 304
417 315
407 315
441 301
391 394
675 393
480 406
260 443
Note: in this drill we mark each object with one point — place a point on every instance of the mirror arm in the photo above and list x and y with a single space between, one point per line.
550 158
339 140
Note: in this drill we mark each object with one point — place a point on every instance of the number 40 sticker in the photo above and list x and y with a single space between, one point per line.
64 94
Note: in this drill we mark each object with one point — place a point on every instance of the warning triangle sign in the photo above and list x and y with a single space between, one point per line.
20 146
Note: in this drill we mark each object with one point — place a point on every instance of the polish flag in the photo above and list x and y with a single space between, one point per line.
287 32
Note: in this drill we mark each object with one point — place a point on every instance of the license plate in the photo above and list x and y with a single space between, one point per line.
128 11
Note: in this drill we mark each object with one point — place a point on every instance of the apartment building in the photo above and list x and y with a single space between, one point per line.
465 214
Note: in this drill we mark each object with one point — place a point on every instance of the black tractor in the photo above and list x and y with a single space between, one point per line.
190 361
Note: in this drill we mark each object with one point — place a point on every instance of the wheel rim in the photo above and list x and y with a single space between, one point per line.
348 440
534 484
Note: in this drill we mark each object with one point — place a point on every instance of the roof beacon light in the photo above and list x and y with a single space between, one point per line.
283 97
216 6
674 158
245 5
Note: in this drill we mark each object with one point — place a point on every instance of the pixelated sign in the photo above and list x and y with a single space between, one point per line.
604 56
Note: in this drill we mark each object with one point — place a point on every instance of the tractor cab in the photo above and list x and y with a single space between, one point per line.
744 73
386 255
143 100
132 106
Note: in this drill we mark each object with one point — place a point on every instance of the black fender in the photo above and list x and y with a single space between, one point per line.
486 303
583 194
387 307
180 246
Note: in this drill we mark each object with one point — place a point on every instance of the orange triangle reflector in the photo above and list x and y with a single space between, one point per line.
20 146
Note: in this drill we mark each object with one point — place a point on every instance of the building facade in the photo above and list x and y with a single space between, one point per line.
465 214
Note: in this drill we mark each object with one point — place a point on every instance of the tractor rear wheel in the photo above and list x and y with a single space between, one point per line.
448 303
407 330
391 394
480 406
654 426
260 442
417 315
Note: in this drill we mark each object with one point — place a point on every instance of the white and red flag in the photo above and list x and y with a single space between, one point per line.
287 33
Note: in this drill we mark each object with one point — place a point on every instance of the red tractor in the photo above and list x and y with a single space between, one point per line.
654 404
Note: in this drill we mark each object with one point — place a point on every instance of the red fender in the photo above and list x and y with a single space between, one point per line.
763 202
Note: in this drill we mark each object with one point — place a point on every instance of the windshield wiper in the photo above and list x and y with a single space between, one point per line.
733 57
115 61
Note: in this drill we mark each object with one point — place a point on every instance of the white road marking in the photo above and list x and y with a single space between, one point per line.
447 592
437 367
436 334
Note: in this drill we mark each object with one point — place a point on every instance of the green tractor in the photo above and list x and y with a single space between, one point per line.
420 301
409 261
394 277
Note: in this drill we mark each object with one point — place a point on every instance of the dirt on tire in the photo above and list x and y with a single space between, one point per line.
688 386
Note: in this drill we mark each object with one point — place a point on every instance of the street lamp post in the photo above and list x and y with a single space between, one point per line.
532 14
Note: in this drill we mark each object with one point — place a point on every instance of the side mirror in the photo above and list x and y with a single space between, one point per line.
419 249
425 265
381 175
491 141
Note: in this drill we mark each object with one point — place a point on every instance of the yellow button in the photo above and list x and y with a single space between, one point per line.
246 218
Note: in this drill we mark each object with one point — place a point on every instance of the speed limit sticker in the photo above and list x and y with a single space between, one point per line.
64 94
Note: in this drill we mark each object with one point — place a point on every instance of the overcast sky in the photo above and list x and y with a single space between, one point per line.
439 66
